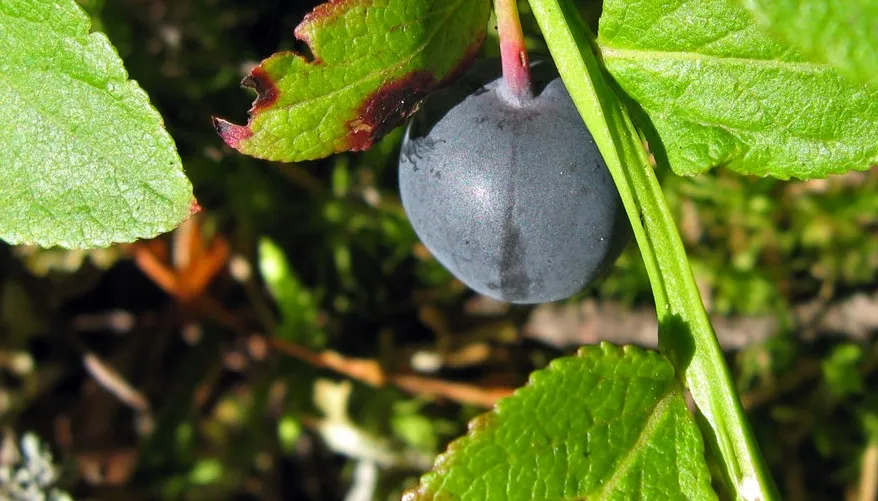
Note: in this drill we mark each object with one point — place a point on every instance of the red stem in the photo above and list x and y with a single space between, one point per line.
513 53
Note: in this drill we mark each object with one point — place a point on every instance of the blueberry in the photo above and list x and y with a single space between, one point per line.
513 197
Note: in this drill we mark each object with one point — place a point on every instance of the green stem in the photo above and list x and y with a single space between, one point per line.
686 335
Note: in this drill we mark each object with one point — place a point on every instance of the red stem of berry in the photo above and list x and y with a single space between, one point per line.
513 53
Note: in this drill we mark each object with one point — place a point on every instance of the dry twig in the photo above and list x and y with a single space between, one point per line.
370 372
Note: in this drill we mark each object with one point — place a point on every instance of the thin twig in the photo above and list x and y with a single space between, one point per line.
109 379
869 474
458 392
365 370
370 372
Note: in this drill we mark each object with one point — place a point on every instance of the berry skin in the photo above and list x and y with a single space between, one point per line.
512 196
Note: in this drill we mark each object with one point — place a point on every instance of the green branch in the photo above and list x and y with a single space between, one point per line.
686 335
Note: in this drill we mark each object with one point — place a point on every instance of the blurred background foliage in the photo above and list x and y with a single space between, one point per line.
296 341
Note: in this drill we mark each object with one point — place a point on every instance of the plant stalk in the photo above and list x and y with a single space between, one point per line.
513 52
686 335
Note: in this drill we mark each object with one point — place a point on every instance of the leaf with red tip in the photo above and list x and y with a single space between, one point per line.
373 61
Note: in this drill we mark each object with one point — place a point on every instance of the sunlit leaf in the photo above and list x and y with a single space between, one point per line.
721 91
372 63
86 160
609 423
842 33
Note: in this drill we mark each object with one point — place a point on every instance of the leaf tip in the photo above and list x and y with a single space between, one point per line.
194 208
267 94
233 135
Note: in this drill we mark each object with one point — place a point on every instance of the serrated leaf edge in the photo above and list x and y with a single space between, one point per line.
87 39
475 425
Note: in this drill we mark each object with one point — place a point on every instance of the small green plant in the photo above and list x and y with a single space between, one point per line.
781 89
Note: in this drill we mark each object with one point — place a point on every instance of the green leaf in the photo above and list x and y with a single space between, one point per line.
719 90
841 370
298 309
609 423
85 159
843 33
373 62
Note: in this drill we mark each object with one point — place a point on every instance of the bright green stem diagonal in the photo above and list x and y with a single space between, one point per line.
685 335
